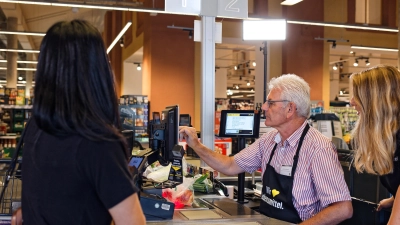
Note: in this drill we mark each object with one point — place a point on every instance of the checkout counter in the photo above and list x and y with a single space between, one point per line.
212 208
218 210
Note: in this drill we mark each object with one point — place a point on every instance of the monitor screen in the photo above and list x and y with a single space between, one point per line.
130 138
235 123
170 118
184 120
135 161
164 133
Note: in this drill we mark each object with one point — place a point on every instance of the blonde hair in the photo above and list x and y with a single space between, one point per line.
376 92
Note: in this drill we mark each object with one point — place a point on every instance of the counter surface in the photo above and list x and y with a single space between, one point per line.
217 210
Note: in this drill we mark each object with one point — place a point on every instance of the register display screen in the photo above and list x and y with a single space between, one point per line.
239 123
135 161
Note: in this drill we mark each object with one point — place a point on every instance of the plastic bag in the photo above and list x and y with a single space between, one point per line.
202 184
159 173
181 195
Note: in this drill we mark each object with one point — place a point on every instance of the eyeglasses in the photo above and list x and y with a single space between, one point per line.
271 102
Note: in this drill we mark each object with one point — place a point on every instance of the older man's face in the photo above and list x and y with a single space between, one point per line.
274 108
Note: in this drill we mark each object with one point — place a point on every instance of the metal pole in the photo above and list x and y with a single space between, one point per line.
264 49
241 176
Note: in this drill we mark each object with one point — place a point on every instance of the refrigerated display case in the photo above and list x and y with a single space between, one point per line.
134 115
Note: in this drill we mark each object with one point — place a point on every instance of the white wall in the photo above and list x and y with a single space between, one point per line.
131 80
220 83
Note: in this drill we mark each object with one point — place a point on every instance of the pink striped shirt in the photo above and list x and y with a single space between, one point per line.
318 179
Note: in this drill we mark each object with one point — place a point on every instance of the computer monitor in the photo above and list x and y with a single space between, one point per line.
170 117
164 135
244 123
185 120
130 139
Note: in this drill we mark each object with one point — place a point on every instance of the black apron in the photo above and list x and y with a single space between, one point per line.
277 199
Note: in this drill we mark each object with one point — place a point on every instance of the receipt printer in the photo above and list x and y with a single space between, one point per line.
156 208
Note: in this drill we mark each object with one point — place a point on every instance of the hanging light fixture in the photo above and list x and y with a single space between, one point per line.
334 67
121 42
254 63
367 63
355 62
248 83
139 67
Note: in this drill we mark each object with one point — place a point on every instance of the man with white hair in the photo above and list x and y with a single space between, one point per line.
302 177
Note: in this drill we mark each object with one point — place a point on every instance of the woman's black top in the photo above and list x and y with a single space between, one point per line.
392 181
72 180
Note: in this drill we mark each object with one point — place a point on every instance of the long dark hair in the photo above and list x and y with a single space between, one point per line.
74 84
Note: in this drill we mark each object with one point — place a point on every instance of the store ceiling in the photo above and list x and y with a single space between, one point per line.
38 18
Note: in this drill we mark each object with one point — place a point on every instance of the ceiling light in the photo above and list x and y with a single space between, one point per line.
139 67
20 78
290 2
374 48
252 89
367 63
252 31
335 67
235 67
248 83
237 96
121 42
254 63
88 6
237 86
19 50
26 2
21 69
69 5
19 61
22 33
340 25
355 62
119 36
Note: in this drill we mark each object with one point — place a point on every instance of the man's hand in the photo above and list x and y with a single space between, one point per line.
219 162
190 135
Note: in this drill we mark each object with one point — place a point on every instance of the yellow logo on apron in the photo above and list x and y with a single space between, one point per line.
275 193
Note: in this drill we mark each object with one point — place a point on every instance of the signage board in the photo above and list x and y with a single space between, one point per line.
183 6
233 8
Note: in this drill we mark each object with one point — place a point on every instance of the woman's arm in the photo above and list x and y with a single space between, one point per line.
128 212
16 218
395 215
385 203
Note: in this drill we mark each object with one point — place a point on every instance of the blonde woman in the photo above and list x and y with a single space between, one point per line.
376 136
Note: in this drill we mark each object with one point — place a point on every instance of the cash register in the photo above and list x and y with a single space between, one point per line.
165 149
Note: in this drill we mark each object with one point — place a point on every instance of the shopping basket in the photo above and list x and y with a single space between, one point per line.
10 184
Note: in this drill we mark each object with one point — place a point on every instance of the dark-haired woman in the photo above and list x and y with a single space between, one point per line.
74 159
